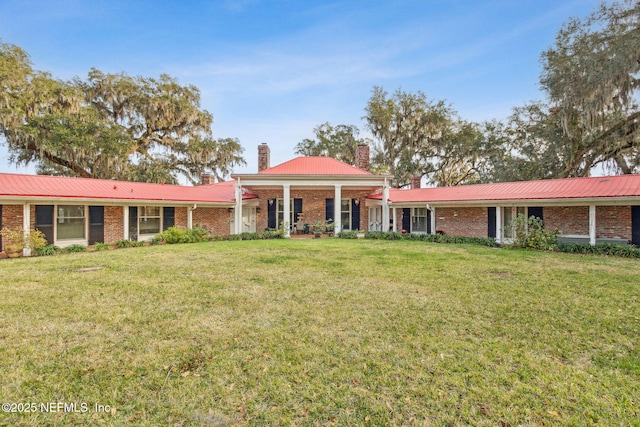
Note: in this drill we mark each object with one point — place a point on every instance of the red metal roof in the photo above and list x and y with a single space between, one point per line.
567 188
21 186
314 166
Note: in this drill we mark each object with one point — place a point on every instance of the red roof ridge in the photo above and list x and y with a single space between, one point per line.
314 165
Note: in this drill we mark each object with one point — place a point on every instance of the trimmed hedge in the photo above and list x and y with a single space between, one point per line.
434 238
609 249
266 235
348 234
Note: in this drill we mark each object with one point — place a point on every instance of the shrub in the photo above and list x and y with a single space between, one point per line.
102 246
75 248
352 234
173 235
35 241
531 234
273 234
266 235
48 250
120 244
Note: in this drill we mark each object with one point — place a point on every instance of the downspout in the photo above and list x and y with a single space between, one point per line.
26 227
190 216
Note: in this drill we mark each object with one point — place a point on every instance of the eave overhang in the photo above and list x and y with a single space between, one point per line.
264 180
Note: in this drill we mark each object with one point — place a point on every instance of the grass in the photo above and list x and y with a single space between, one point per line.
322 332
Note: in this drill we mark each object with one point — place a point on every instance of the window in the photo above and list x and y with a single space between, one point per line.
508 215
281 212
149 220
345 214
419 220
71 222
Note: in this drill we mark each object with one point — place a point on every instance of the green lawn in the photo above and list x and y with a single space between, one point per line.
322 332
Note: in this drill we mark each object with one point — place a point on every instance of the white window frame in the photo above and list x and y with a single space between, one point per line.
147 236
514 211
346 226
414 215
73 241
281 212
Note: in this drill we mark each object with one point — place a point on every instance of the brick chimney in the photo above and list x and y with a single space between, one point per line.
264 157
415 181
206 178
362 157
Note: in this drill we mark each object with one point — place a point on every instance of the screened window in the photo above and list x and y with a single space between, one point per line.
345 214
71 222
419 220
149 220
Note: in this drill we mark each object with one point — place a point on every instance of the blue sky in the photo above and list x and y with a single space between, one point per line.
271 71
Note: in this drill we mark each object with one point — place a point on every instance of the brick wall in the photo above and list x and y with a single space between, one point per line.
613 222
567 219
313 204
180 219
113 223
12 216
470 222
216 220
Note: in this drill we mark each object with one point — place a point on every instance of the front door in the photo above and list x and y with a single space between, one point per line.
375 218
249 220
635 225
96 224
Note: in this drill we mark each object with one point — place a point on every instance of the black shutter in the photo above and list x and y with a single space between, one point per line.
96 224
272 206
44 221
406 219
355 215
168 217
635 225
329 213
491 222
133 223
429 221
297 209
537 212
0 227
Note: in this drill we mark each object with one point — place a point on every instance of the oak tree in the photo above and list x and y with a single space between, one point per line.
591 78
111 126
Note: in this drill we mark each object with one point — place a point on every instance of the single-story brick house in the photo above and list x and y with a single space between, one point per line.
85 211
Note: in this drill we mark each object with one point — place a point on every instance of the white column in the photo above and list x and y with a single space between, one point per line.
26 226
125 222
190 217
433 220
286 196
498 224
592 225
395 219
385 207
337 210
238 210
